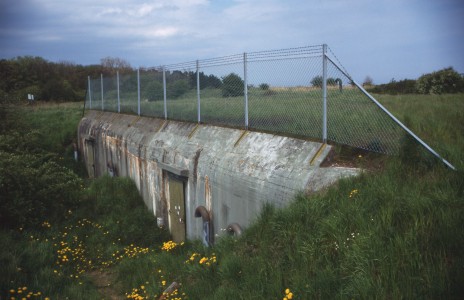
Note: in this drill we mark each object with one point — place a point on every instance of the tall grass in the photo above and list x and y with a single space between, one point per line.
437 119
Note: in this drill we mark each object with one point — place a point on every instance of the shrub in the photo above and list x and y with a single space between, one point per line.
154 91
317 81
232 86
57 90
439 82
264 86
406 86
34 187
177 88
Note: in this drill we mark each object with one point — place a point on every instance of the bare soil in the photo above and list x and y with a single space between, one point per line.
104 281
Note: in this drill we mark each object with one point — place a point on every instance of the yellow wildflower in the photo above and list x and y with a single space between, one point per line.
202 260
353 193
288 295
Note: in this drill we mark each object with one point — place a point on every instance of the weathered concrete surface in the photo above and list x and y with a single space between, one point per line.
230 172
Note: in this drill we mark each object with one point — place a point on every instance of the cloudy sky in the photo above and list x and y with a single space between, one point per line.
383 39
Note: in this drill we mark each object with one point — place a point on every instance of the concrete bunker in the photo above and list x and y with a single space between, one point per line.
200 180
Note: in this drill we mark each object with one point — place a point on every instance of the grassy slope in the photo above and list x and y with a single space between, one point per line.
395 233
52 253
392 234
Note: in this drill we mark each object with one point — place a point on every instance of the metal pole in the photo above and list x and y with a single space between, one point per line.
138 91
90 93
198 92
164 94
245 88
101 80
117 83
324 93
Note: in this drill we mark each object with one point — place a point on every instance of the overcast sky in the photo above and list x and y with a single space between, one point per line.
384 39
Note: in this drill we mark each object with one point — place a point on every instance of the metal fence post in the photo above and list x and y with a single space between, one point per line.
245 88
198 91
164 94
138 91
117 84
90 93
324 93
101 80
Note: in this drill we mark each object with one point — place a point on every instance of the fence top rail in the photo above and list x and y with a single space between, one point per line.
266 55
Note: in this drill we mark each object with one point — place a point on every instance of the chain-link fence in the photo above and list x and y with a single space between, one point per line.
303 92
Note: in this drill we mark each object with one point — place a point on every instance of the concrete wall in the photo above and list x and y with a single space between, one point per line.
230 172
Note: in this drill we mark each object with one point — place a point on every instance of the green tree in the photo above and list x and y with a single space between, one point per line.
331 81
264 86
317 81
153 91
439 82
205 81
213 82
63 81
177 88
232 86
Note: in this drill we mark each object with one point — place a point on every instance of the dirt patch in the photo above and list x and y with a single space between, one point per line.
104 281
349 157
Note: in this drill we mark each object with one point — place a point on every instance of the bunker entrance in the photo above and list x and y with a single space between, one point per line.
176 188
89 152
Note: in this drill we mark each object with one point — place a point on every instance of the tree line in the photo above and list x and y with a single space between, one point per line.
67 81
439 82
47 81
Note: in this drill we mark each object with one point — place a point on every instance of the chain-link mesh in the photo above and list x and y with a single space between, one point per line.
88 96
181 95
151 93
280 94
110 94
95 100
354 120
128 93
222 95
278 91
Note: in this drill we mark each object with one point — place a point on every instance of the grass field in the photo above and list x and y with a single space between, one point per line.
392 233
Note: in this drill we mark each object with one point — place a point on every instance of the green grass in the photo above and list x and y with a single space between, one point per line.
437 119
392 233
